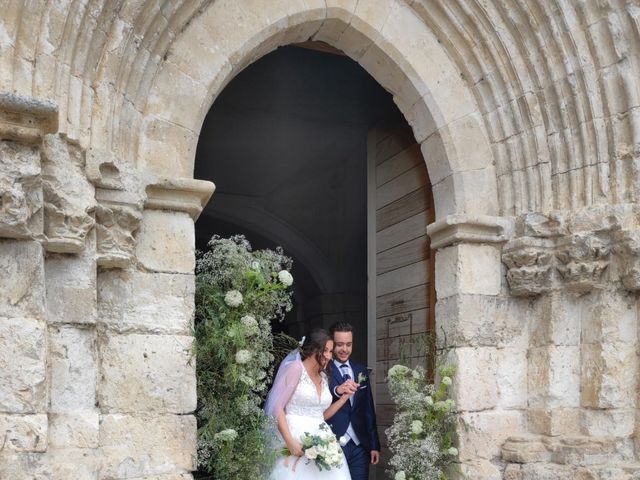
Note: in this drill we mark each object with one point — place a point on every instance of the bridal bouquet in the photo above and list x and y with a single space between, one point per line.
322 448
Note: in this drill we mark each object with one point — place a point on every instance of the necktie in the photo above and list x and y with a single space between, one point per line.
345 376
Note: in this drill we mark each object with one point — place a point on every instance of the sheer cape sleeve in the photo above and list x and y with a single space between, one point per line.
284 385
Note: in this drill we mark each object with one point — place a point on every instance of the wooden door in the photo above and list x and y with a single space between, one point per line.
401 289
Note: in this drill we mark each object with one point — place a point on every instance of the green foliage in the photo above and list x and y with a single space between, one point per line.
422 434
238 293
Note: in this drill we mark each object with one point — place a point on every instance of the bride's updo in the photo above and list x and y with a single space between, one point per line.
314 343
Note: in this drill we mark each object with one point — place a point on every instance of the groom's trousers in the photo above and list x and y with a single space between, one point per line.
358 459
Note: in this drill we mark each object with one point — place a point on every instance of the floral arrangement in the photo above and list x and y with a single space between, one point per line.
423 429
321 448
238 293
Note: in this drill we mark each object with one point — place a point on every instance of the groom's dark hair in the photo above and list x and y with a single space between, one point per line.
340 327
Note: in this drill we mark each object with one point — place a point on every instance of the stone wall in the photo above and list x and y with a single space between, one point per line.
580 272
96 310
519 107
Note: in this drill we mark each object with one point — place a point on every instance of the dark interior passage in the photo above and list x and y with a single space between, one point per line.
286 145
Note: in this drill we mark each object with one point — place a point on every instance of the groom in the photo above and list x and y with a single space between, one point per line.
355 422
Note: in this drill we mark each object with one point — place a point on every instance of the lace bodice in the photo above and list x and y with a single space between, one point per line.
305 400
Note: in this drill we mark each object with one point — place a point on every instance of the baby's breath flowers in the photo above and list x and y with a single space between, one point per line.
238 295
420 438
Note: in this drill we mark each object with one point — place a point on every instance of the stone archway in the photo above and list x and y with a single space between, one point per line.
438 105
534 104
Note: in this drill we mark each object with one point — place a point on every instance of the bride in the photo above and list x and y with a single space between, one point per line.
300 402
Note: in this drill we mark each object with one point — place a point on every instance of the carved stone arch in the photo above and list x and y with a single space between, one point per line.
390 41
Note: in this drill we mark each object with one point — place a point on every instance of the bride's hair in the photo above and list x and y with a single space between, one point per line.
314 343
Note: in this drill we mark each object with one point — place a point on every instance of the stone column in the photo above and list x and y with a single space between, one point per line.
487 334
23 329
147 384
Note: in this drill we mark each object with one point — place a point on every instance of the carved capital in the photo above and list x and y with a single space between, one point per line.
530 265
627 248
582 261
68 196
25 119
469 229
20 191
118 215
179 195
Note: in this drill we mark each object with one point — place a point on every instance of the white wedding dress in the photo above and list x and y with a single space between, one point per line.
304 414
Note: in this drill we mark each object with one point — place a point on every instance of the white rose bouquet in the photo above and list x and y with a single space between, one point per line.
321 448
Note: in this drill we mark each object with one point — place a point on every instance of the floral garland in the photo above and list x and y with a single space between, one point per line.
423 429
238 293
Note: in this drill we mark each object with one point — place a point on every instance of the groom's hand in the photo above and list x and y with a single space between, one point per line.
375 457
348 387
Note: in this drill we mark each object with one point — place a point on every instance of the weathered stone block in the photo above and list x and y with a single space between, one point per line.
558 320
77 463
468 269
146 446
23 433
475 386
166 242
511 377
610 317
483 320
22 290
131 301
525 449
146 373
73 367
557 421
24 466
78 429
71 287
580 450
610 375
554 376
615 422
481 434
479 470
548 471
22 365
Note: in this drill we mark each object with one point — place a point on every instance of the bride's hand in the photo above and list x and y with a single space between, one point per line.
295 449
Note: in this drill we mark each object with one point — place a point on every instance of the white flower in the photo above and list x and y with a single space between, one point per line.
400 476
228 435
453 451
233 298
243 356
343 441
416 374
446 381
255 265
285 278
450 404
429 400
398 370
251 324
416 427
311 453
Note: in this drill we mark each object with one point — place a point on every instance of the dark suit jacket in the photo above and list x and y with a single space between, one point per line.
361 415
